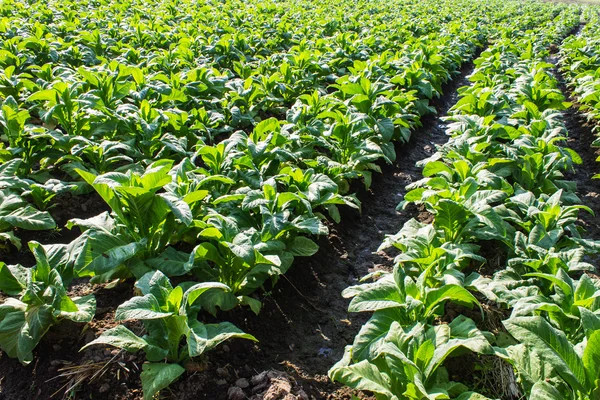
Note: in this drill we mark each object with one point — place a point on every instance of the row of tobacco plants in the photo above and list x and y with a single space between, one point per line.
495 190
221 138
580 64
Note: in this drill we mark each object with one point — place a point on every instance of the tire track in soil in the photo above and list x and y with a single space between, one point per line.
304 325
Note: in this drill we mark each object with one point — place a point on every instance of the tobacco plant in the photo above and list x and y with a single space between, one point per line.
173 332
39 299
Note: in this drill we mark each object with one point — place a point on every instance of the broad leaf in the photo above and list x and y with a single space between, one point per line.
552 344
156 377
204 337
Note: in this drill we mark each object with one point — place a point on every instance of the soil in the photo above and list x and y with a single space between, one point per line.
303 326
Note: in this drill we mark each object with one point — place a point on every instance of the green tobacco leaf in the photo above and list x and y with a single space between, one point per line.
545 391
196 196
157 284
42 266
194 292
211 233
530 366
362 376
302 246
207 251
204 337
142 308
119 337
156 377
412 196
171 262
178 207
552 344
255 305
44 95
11 238
86 309
556 280
370 338
101 221
311 225
591 358
376 296
589 320
104 190
453 293
29 218
13 278
424 355
472 396
461 332
157 174
9 169
105 252
21 331
450 216
386 128
435 167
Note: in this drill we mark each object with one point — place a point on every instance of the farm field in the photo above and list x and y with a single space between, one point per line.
299 200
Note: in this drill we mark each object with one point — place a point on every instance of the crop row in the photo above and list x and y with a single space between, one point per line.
183 140
496 191
65 107
580 64
245 205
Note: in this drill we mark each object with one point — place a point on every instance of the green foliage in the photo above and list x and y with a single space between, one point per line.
222 136
499 181
38 300
408 363
170 315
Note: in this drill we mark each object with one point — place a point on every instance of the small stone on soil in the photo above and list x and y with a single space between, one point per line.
222 372
242 383
235 393
258 379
